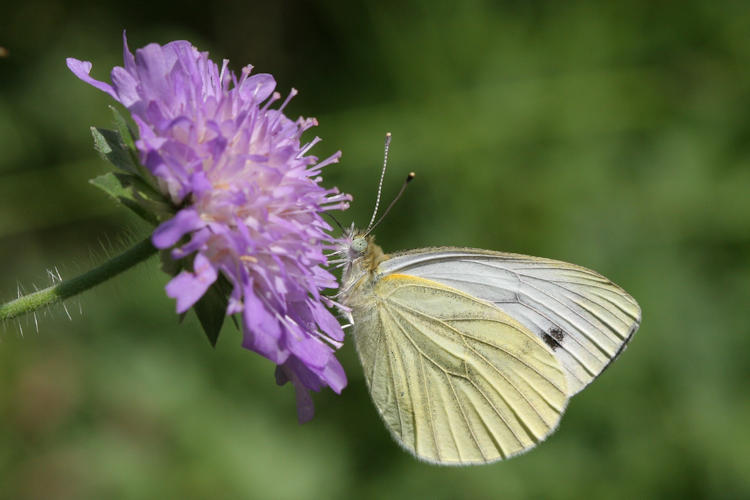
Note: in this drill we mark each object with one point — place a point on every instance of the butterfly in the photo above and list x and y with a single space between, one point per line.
471 355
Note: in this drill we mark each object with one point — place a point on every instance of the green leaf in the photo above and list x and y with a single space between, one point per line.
211 309
147 196
127 136
109 144
118 148
111 184
123 189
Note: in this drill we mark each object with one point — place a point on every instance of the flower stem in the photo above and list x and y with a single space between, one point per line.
69 288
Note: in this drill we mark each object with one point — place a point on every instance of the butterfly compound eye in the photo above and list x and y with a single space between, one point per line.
359 245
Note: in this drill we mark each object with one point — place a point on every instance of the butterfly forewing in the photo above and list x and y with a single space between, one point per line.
456 380
585 319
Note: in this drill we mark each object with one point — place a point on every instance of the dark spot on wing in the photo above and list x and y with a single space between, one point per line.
549 341
556 333
554 338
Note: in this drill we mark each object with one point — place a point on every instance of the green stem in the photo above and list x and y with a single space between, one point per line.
69 288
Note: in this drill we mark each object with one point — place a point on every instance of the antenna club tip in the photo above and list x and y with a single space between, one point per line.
387 134
410 177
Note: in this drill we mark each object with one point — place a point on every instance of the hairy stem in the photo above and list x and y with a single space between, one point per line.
69 288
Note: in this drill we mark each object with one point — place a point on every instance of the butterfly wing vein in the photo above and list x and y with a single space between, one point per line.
455 379
585 319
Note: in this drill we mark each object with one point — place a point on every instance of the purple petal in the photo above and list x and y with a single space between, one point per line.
305 405
311 351
126 85
170 232
188 288
303 374
334 375
262 330
327 321
197 242
153 66
127 56
200 183
82 69
148 140
258 87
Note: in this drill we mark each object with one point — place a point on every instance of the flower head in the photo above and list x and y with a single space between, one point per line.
249 202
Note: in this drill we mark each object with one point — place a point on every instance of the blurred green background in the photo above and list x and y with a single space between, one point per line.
612 135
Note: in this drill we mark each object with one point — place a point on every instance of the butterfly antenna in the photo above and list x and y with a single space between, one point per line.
380 184
334 219
408 179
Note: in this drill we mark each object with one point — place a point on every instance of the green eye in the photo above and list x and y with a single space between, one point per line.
359 244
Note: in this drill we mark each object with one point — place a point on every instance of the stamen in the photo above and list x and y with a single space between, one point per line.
307 146
334 158
292 93
274 97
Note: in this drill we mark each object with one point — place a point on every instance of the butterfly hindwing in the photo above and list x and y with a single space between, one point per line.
455 379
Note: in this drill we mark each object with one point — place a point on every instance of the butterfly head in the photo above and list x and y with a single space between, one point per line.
357 249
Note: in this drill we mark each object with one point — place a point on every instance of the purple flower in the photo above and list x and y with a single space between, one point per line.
249 198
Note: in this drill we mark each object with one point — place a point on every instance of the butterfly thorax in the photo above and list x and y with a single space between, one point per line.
361 259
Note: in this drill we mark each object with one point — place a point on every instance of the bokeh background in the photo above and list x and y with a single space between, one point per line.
613 135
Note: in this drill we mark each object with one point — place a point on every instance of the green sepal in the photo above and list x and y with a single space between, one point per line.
108 143
211 309
135 194
127 135
118 148
127 139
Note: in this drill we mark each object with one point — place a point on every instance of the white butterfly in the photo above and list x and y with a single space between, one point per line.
471 355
